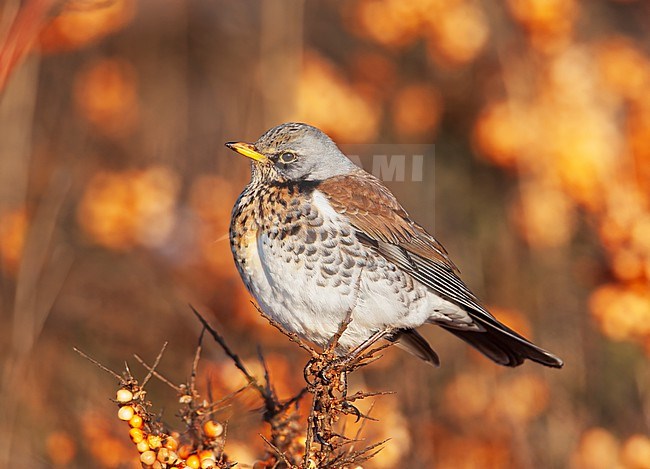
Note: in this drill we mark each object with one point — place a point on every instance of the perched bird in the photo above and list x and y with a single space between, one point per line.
317 240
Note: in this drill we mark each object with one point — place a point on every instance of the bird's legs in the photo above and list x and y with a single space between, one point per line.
369 342
355 354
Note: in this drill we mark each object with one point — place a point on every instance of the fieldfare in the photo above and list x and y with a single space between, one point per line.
317 240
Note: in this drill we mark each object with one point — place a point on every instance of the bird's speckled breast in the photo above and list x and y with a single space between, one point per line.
298 262
305 266
277 215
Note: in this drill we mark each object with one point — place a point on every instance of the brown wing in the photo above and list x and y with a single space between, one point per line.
383 224
375 211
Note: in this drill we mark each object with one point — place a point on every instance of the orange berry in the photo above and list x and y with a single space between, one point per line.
212 429
173 457
136 435
193 462
162 454
142 446
171 443
154 441
124 396
206 454
148 457
136 421
125 413
184 451
167 456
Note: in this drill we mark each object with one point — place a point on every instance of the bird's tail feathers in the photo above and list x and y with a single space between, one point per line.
411 341
503 345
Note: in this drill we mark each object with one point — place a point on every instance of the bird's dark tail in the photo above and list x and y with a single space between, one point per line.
411 341
503 345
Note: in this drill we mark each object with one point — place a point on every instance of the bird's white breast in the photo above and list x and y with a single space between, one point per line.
310 280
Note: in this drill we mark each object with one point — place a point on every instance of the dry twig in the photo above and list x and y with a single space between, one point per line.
325 446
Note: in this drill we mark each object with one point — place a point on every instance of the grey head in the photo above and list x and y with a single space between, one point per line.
295 151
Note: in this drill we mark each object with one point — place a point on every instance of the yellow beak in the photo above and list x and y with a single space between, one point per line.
247 150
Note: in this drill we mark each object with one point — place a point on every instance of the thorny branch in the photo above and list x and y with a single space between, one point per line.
200 444
326 375
324 445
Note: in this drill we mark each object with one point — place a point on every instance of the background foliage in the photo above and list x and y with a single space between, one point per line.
116 190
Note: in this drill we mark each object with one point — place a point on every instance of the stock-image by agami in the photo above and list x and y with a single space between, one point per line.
360 234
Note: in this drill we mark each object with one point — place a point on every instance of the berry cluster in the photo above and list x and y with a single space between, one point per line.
160 449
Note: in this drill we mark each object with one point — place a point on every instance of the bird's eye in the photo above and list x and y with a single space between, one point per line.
287 157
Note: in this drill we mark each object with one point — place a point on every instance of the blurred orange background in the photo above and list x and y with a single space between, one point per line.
116 191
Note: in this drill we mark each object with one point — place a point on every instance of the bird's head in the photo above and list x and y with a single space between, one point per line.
294 152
